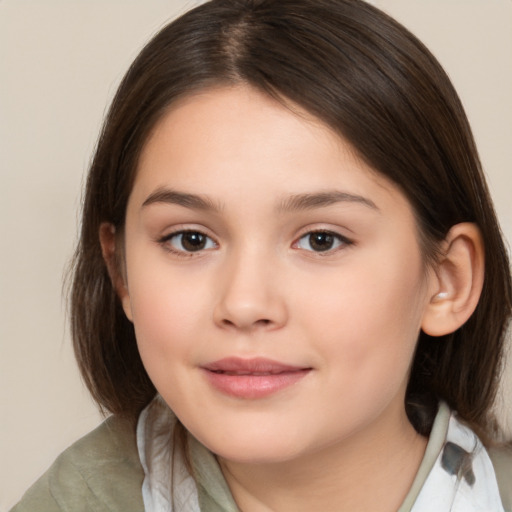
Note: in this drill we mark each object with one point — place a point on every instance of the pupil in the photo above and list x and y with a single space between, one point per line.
321 241
193 241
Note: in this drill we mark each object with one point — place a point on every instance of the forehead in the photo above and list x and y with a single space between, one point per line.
236 141
231 117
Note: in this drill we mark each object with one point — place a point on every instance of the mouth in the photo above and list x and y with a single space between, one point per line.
252 378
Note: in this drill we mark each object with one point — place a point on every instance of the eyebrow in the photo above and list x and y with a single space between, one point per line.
193 201
295 202
322 199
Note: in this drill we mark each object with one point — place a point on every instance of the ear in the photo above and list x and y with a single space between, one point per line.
458 281
110 252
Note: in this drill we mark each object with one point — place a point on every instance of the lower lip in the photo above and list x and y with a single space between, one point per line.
254 386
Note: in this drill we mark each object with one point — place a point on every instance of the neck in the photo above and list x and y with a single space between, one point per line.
373 470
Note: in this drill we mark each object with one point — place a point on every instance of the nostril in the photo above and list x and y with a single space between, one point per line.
263 322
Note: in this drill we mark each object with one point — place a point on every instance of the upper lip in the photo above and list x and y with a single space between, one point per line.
253 366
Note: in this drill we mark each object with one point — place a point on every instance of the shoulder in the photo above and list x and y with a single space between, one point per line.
100 472
502 461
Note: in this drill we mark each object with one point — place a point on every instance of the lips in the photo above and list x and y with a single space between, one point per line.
252 378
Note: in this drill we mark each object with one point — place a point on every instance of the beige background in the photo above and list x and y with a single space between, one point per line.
60 61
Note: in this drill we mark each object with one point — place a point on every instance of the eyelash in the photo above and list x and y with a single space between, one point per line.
338 240
166 241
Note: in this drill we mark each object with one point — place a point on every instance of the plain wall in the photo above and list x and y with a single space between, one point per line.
60 62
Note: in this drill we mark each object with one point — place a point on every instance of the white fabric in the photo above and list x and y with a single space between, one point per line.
469 486
462 478
155 429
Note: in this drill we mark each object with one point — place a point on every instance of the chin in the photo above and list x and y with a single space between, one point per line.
256 447
252 456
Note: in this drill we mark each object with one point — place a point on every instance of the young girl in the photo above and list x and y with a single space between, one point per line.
290 289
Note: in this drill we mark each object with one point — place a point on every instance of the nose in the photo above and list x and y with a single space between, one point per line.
249 295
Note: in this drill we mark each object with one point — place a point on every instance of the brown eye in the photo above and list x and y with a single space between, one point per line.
321 241
190 241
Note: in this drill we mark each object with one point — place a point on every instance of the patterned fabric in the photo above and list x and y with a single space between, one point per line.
459 478
462 479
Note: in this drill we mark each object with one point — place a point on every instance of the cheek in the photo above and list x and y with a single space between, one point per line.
369 315
168 311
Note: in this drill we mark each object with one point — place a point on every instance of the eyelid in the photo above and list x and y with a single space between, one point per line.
165 241
344 241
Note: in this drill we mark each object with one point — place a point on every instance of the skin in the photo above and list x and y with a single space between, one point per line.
339 438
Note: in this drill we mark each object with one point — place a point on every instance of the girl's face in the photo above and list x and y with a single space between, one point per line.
274 280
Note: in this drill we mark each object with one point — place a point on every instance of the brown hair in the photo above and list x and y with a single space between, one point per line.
376 85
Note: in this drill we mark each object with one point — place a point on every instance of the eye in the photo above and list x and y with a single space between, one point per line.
321 241
189 241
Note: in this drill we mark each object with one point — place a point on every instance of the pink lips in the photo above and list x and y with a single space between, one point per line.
252 378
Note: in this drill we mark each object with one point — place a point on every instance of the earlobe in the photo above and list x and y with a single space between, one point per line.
109 250
458 281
